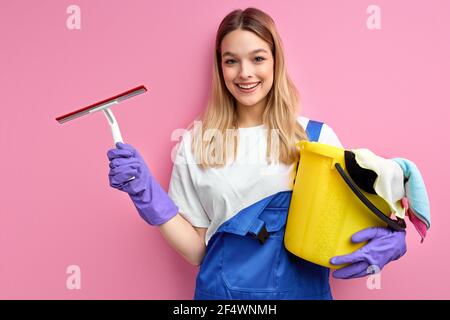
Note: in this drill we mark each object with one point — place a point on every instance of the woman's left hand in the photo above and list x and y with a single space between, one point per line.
385 245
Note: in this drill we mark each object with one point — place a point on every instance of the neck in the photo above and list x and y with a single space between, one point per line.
251 116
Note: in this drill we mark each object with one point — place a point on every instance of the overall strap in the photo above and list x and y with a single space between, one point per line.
313 129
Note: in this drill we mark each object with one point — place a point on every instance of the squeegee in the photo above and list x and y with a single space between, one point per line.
105 106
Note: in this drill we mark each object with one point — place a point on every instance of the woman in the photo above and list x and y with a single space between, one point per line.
233 176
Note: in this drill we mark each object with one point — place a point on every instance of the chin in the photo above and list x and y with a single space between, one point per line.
249 103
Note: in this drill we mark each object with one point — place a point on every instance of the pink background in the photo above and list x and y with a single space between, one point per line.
386 90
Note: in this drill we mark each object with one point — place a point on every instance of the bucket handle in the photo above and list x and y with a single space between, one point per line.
397 225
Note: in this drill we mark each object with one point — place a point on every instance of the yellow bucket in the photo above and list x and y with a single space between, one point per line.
327 207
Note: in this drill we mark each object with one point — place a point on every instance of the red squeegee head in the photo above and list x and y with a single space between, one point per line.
102 105
105 106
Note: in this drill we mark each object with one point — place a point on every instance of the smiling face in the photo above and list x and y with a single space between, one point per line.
247 61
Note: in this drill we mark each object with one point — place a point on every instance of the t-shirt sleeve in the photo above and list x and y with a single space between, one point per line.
182 190
328 136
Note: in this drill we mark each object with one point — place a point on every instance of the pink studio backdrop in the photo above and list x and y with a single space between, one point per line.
386 90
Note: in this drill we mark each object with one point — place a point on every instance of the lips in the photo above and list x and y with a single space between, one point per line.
251 88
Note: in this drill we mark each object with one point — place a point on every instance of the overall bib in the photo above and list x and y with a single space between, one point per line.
246 257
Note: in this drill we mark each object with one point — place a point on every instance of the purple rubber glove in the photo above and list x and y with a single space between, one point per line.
151 201
385 245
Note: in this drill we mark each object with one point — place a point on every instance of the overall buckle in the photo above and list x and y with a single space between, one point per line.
262 235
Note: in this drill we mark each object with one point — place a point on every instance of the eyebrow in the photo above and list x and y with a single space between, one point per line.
253 52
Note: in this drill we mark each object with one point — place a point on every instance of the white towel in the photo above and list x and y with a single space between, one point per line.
389 182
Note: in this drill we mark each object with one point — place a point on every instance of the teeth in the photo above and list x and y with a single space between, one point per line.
248 86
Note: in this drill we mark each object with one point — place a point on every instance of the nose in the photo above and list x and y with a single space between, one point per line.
246 70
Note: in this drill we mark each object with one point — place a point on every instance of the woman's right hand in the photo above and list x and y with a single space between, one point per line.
128 171
151 201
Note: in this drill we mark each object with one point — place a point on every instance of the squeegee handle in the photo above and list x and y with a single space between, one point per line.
117 137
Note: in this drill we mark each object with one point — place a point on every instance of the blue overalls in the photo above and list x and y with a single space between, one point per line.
246 257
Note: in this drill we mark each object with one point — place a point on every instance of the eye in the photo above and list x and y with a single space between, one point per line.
226 62
262 59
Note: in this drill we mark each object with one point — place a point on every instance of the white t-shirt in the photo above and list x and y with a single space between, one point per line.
208 198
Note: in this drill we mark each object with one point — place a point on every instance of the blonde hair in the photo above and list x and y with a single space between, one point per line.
282 103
